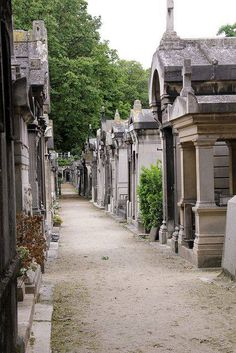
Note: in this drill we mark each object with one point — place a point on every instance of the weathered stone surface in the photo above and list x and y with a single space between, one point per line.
229 262
192 94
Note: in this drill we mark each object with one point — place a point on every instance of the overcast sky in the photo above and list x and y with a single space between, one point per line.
135 27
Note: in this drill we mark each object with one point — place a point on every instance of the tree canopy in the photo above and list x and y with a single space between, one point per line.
85 73
228 30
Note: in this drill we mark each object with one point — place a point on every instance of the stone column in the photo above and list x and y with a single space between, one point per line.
209 219
33 167
163 228
188 189
168 186
205 172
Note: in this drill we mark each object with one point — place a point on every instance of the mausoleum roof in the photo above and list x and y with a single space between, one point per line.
217 51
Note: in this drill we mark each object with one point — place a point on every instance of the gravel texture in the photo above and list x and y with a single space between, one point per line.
115 293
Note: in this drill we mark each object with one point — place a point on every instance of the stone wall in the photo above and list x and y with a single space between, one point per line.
8 259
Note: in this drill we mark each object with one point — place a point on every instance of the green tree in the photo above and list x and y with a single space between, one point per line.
150 196
228 30
85 73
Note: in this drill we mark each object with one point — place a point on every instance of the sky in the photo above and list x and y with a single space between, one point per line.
135 27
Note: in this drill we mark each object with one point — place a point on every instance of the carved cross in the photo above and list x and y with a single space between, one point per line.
187 78
170 16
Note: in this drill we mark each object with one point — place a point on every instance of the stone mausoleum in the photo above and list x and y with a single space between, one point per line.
34 148
144 148
193 95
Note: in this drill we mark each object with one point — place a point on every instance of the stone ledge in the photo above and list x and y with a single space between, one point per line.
40 337
26 308
25 317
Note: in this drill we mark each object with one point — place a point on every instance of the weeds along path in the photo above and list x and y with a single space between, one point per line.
114 293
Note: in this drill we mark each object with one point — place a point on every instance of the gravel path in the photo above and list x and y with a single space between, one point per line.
115 293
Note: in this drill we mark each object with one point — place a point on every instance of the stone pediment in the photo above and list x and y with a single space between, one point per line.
183 106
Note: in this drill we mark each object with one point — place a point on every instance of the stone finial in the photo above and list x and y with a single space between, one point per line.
117 116
39 31
137 105
170 16
102 113
187 78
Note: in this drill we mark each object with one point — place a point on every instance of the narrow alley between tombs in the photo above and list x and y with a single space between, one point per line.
115 292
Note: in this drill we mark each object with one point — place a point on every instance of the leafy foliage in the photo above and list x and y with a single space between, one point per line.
85 73
25 259
57 220
62 162
30 236
228 30
150 196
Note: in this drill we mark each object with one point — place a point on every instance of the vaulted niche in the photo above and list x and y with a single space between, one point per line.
156 97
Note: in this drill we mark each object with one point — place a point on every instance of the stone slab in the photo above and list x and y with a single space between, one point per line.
40 335
40 338
43 312
229 257
53 251
154 234
46 292
25 316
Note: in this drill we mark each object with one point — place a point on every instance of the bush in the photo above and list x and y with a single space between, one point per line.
31 242
25 260
57 220
150 196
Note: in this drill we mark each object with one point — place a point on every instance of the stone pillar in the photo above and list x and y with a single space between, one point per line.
205 172
168 225
209 219
41 173
33 167
188 189
163 229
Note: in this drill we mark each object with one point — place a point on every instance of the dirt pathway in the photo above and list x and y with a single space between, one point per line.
114 293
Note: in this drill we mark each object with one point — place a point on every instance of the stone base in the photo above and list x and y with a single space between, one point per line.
200 259
162 238
174 245
209 231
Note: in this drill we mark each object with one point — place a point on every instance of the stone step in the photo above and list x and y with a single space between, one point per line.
40 336
25 317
